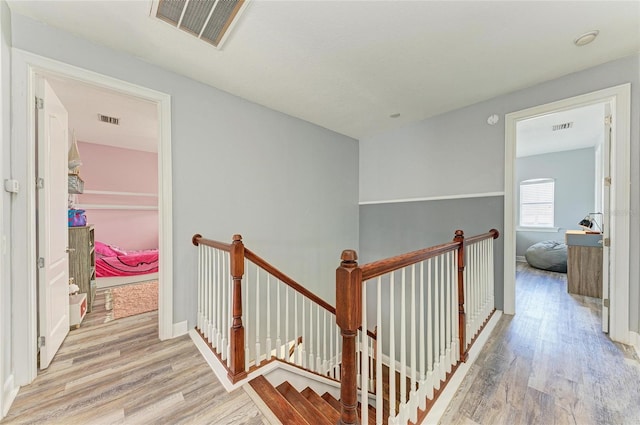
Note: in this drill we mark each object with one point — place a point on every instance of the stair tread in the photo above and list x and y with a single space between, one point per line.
278 404
325 408
310 412
332 401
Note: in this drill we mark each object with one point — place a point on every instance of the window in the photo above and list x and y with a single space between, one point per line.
537 203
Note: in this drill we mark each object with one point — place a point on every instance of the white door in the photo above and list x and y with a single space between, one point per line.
606 188
52 230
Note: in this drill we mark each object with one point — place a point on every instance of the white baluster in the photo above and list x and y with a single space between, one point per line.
258 352
436 322
279 352
337 357
358 352
295 329
206 270
379 380
324 343
227 308
223 302
246 319
364 364
422 380
318 358
268 347
403 348
392 349
456 296
449 314
218 307
311 335
286 324
304 338
413 397
199 319
430 378
443 315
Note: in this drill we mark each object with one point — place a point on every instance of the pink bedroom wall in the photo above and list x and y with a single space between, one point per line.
107 168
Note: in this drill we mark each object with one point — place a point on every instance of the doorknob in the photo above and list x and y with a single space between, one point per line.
70 250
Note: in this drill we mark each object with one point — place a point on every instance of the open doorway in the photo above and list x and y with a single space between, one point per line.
115 138
616 227
25 70
559 170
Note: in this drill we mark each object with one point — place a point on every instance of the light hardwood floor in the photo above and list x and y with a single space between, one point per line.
549 364
119 372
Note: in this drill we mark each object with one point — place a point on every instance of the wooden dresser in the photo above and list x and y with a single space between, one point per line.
82 261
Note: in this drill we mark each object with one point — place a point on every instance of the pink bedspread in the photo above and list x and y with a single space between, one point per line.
134 263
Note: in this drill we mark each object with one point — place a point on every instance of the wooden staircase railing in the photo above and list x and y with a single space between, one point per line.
440 343
238 304
304 325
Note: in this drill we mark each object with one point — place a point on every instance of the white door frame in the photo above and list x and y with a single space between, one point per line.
620 99
24 66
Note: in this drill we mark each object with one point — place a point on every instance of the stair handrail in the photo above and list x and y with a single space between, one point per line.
350 278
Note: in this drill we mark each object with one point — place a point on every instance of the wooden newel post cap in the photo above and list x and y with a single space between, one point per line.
195 238
349 257
459 233
496 233
237 238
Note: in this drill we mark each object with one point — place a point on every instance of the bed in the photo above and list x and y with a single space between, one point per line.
116 266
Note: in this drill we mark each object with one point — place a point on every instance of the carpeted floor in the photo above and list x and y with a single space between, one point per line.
129 300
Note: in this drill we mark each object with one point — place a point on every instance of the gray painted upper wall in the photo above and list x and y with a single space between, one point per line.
574 174
288 186
459 153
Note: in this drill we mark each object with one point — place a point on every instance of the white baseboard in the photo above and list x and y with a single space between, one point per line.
180 329
634 340
440 406
9 393
520 259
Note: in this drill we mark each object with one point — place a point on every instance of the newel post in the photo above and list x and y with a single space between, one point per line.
349 318
236 333
462 320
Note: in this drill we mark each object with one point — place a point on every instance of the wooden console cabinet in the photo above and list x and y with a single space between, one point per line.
82 261
584 264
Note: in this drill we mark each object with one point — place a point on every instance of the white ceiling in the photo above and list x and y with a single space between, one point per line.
348 65
138 119
536 136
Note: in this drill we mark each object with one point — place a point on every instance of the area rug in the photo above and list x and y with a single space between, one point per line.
129 300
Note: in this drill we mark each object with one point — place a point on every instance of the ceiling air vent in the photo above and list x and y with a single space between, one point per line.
563 126
108 119
208 20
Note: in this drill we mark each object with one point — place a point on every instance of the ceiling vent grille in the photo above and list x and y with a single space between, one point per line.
108 119
563 126
208 20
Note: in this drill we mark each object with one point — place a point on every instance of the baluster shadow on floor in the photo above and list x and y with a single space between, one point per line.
119 372
549 363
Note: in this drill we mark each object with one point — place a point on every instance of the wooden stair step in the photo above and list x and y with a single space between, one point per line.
325 408
310 412
332 401
278 404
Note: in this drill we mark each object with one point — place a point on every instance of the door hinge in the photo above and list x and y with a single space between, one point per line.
608 120
605 302
607 181
41 341
39 103
40 262
606 242
40 183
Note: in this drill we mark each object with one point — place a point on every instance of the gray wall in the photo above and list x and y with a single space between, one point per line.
574 174
6 362
289 187
390 229
459 153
